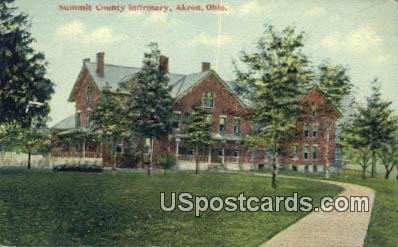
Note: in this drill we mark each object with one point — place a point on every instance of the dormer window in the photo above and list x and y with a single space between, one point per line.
89 95
208 100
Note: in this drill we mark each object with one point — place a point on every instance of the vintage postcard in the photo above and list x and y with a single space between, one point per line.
198 123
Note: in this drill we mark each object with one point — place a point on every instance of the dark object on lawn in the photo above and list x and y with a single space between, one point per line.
77 168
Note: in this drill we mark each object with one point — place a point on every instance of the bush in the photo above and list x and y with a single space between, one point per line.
167 161
77 168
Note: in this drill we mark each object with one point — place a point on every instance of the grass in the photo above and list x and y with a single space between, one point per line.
383 226
46 208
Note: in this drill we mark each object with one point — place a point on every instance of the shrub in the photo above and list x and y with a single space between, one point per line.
77 168
167 161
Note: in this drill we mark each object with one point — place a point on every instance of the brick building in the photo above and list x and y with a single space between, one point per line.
313 145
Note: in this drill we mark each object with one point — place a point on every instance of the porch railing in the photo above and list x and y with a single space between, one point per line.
216 159
76 154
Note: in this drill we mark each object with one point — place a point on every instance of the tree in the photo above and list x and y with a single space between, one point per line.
198 131
334 82
388 155
274 79
31 140
110 123
22 70
376 123
149 104
167 162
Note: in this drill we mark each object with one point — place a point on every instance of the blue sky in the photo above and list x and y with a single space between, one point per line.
362 35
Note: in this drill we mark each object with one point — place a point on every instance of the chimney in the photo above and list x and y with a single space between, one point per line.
86 60
205 66
164 64
100 64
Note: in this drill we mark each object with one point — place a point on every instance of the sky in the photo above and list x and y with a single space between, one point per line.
359 34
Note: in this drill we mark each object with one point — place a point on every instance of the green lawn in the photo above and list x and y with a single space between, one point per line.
46 208
383 227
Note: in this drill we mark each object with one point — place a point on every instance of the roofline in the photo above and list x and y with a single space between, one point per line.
212 72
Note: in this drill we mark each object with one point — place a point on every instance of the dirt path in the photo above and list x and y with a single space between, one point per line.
328 228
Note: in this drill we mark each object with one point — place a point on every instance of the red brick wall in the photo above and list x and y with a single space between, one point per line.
81 103
224 104
325 138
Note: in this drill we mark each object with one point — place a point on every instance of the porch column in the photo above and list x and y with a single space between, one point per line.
209 158
84 147
177 147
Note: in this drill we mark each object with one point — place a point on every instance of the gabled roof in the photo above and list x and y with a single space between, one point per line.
115 74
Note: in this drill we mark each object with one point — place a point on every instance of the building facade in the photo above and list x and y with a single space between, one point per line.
227 111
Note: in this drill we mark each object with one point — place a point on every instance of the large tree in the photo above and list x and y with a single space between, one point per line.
22 69
110 124
334 82
149 105
274 79
373 126
198 131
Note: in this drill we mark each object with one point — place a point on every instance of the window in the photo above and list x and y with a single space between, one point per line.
236 156
176 120
305 152
293 151
89 95
120 148
190 153
186 117
236 126
306 131
221 153
313 110
315 128
77 120
223 121
88 120
208 100
314 152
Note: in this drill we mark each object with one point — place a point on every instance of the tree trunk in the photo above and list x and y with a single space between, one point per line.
197 159
388 172
374 163
114 156
164 171
29 158
363 172
274 170
150 158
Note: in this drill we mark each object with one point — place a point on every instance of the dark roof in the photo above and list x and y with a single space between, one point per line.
115 74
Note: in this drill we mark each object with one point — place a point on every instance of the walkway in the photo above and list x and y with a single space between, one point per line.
328 228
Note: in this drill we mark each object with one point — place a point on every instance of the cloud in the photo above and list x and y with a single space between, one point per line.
315 12
77 32
211 40
249 8
72 29
361 40
330 41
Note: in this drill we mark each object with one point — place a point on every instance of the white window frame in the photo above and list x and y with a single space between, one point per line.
179 119
121 145
238 126
312 152
225 123
236 151
306 147
206 100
